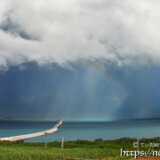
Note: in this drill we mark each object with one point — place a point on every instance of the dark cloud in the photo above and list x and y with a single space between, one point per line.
15 30
55 32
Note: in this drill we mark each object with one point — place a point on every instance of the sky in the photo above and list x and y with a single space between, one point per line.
80 59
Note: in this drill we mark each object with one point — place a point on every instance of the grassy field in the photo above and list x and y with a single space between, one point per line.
98 149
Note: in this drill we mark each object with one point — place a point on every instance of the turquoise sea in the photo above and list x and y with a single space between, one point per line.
137 128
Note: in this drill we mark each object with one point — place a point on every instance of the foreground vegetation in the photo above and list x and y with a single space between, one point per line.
98 149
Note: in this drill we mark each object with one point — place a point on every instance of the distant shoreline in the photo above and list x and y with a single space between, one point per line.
41 120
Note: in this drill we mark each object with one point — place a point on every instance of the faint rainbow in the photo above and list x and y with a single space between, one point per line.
118 88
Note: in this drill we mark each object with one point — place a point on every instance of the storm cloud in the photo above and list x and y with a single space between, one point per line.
124 32
80 59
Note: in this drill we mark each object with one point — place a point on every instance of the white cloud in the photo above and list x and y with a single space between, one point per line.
125 32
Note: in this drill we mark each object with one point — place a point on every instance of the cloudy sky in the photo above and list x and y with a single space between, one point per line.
80 59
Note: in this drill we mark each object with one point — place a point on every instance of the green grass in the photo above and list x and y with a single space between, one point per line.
98 149
39 153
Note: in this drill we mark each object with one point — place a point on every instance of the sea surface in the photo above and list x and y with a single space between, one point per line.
141 128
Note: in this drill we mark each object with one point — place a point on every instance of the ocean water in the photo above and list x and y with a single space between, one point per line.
141 128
